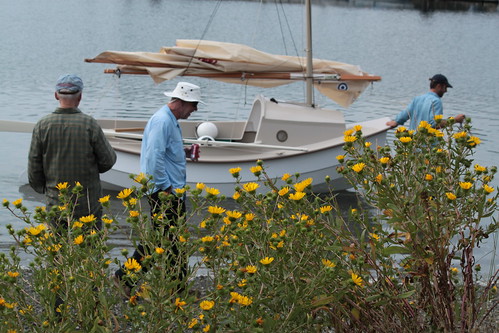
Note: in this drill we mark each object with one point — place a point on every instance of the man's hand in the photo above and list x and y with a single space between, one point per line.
392 123
459 118
192 152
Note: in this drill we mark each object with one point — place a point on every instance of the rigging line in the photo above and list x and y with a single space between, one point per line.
289 29
280 25
258 17
212 16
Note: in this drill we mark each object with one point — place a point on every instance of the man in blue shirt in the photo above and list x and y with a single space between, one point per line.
427 106
164 158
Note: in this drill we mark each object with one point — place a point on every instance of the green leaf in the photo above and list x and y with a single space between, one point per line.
407 294
396 250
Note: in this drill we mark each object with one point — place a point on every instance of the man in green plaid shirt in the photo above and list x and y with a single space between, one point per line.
69 146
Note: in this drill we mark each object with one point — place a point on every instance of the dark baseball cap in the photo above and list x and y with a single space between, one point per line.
69 84
439 78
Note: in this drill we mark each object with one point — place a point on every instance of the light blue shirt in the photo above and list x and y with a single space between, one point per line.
424 107
162 154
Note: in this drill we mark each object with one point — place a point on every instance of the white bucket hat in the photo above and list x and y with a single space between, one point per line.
187 92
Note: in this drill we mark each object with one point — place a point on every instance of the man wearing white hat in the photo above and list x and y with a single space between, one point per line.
164 158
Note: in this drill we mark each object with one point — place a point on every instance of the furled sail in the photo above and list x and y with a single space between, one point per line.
240 64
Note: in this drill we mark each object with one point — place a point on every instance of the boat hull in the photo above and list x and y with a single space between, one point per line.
212 169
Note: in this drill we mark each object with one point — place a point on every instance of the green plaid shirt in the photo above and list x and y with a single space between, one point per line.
69 146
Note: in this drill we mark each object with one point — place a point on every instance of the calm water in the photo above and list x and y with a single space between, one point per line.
41 40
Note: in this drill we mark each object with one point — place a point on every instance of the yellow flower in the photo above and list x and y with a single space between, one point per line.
62 186
256 170
105 199
301 186
379 178
200 186
182 239
249 216
428 177
212 191
179 303
88 219
206 305
17 202
139 178
77 224
286 176
267 260
13 274
132 265
107 220
400 129
465 185
367 144
384 160
207 239
54 248
244 300
250 269
479 168
206 328
438 117
325 209
328 263
473 141
78 240
357 128
454 270
374 236
348 132
180 190
35 231
233 214
450 196
216 210
235 171
424 124
357 279
192 323
488 188
134 213
250 187
124 193
159 250
236 195
358 167
405 139
242 283
350 138
283 191
340 158
297 196
460 135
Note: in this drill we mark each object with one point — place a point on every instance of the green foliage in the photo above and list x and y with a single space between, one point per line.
281 259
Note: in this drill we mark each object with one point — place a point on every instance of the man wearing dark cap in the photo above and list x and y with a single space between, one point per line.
69 146
427 106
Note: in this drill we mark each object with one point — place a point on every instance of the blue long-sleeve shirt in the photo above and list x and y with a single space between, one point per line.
424 107
162 154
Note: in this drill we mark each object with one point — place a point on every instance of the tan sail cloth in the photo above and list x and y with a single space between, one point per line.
240 64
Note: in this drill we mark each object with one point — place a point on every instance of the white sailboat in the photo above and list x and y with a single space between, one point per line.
288 137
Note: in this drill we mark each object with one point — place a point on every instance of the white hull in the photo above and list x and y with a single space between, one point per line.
321 132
